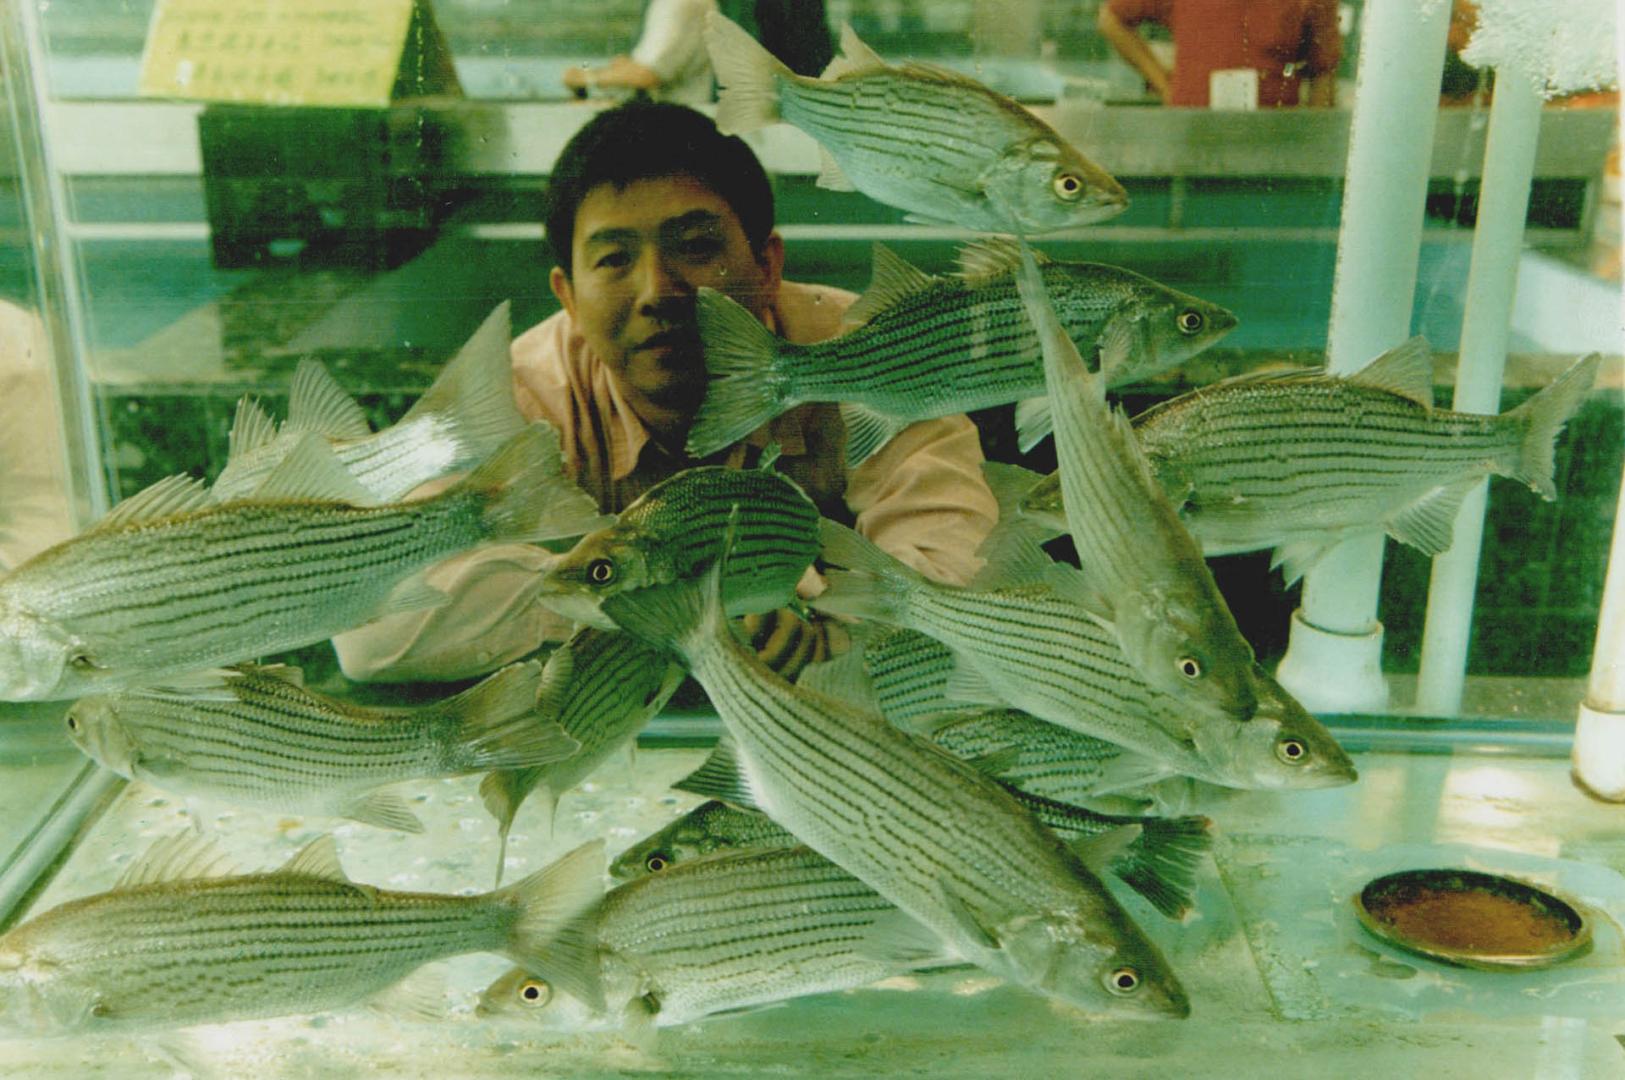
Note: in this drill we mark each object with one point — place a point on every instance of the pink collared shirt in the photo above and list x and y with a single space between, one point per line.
921 497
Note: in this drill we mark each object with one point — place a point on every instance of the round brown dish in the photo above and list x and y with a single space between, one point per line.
1472 919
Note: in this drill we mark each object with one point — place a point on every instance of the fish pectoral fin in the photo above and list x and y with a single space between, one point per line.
967 685
966 919
183 856
830 175
1013 554
1034 422
421 996
898 938
722 776
1296 557
382 809
156 768
1102 849
1429 523
1114 350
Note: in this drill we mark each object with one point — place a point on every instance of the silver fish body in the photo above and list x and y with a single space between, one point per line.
1144 570
717 934
462 418
613 684
673 530
255 736
933 346
1301 461
943 842
134 601
927 140
1030 646
711 828
302 939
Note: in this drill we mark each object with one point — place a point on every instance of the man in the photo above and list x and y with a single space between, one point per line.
647 203
1284 49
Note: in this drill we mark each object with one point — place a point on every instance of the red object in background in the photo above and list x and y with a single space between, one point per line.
1269 36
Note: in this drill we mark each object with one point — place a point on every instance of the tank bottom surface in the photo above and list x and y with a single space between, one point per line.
1281 979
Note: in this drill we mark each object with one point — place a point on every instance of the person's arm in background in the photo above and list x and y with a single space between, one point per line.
1324 43
673 33
1119 32
621 72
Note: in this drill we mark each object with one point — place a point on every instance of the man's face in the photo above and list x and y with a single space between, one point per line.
639 254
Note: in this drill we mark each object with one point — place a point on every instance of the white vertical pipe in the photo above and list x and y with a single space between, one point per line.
1333 661
1492 279
1599 738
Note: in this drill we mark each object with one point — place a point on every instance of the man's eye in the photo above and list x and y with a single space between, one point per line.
614 260
700 247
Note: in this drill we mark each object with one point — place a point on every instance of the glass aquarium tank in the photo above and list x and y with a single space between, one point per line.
1025 783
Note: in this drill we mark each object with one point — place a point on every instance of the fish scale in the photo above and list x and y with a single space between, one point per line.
253 946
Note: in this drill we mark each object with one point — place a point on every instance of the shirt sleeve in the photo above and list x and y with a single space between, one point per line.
491 617
673 35
922 498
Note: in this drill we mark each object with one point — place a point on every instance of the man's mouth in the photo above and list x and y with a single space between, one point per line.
670 339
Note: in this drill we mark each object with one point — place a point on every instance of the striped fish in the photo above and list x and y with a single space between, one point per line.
1144 571
172 944
944 843
607 686
672 532
724 933
1156 857
459 421
1020 642
1302 461
169 583
924 139
932 346
254 735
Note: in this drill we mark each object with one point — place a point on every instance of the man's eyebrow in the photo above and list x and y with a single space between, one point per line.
612 236
690 220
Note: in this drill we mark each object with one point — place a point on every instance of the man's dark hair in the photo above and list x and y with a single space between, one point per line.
644 140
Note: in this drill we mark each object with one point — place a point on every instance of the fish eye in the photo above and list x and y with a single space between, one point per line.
1067 186
1190 321
81 662
1291 751
600 571
535 992
1189 666
1123 982
656 862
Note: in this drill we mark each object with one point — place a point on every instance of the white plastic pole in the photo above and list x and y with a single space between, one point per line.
1599 738
1333 659
1492 278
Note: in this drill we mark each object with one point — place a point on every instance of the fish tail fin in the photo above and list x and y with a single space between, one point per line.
1161 864
746 389
874 585
1542 418
472 398
748 76
501 722
528 498
555 935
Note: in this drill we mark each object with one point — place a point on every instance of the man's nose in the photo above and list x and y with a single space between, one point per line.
659 281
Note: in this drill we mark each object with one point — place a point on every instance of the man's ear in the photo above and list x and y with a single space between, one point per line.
559 282
771 260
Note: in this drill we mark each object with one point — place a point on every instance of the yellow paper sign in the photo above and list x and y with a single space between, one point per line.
276 52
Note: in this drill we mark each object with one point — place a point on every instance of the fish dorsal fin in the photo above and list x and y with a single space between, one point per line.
937 73
179 494
831 176
1406 370
312 472
317 403
317 859
855 58
181 857
721 777
892 280
251 429
988 258
1429 523
843 679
